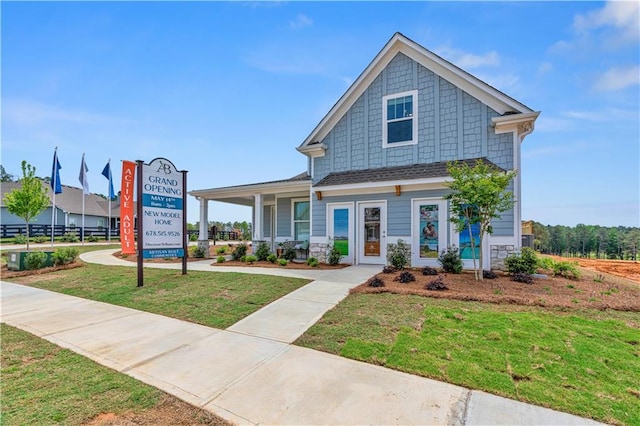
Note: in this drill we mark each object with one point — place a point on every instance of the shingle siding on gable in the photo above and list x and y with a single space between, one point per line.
451 125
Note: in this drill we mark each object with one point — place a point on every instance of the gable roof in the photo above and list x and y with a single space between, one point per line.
394 174
475 87
70 200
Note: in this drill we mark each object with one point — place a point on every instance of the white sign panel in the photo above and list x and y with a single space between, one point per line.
162 210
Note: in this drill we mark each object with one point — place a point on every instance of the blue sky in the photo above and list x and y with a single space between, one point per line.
228 90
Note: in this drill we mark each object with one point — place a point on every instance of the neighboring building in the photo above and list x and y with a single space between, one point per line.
68 208
376 169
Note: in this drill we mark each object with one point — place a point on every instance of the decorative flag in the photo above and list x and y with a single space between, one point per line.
83 177
106 172
56 186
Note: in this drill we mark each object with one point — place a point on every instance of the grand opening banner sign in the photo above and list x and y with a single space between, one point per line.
162 188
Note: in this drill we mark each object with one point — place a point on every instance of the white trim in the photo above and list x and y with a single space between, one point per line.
414 119
431 183
293 215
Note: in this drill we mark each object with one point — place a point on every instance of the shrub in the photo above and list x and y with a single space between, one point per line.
437 284
199 252
450 260
70 237
92 238
272 258
220 259
35 260
375 282
243 258
20 239
522 277
546 263
566 270
398 254
39 239
64 255
490 275
263 251
221 250
334 255
405 277
250 259
312 261
282 262
239 252
428 270
289 254
526 262
389 269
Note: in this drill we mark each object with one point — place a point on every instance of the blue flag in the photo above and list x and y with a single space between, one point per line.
106 172
56 186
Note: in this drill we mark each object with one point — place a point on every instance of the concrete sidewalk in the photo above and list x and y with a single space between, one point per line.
248 374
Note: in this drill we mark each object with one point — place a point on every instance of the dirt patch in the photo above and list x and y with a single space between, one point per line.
38 274
290 265
622 268
614 293
170 411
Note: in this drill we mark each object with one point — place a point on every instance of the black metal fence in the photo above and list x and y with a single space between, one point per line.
38 230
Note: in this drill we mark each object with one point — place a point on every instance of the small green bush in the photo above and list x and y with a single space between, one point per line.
282 262
239 252
263 251
92 238
250 259
221 250
312 261
220 259
272 258
243 259
70 237
35 260
199 252
450 260
193 237
333 255
398 254
64 255
20 239
289 254
546 263
39 239
526 262
567 270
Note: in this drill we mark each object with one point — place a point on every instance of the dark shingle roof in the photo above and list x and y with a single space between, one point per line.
393 174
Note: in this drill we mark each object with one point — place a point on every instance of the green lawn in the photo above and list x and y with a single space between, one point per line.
215 299
43 384
582 362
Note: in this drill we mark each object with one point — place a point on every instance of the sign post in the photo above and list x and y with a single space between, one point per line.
162 214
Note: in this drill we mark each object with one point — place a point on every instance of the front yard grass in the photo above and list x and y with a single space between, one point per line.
43 384
583 362
214 299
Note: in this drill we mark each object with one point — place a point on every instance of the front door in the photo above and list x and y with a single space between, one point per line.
372 233
341 229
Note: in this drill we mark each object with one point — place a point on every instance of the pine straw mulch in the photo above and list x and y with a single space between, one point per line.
300 264
7 274
611 293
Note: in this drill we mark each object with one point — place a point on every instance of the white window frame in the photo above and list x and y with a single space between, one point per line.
414 118
293 215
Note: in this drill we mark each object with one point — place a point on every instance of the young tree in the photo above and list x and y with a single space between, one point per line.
30 199
478 195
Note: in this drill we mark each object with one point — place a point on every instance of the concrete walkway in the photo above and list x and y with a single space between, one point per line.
249 373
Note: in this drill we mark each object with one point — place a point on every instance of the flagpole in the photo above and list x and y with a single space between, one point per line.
83 194
53 209
109 197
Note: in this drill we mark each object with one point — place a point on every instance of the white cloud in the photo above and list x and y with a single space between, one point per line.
301 21
622 15
466 60
545 67
26 112
618 78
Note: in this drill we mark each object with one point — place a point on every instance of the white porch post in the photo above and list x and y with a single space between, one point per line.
203 235
257 217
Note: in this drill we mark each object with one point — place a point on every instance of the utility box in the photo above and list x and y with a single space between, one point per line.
15 260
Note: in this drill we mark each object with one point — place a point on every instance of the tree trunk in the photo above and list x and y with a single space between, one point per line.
473 252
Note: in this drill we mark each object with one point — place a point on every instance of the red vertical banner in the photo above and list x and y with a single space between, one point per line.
127 237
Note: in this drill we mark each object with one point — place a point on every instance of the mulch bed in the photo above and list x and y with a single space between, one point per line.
6 273
550 292
290 265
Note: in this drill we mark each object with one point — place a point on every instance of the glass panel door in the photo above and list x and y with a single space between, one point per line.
341 230
372 233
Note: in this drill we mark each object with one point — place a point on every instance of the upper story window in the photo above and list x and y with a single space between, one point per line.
399 118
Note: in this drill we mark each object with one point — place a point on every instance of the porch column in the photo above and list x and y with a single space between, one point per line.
257 217
203 235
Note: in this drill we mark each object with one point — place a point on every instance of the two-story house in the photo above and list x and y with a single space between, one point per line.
377 164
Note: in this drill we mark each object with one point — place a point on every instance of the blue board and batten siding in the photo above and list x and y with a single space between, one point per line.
283 217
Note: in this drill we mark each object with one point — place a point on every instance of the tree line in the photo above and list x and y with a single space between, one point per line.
601 242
